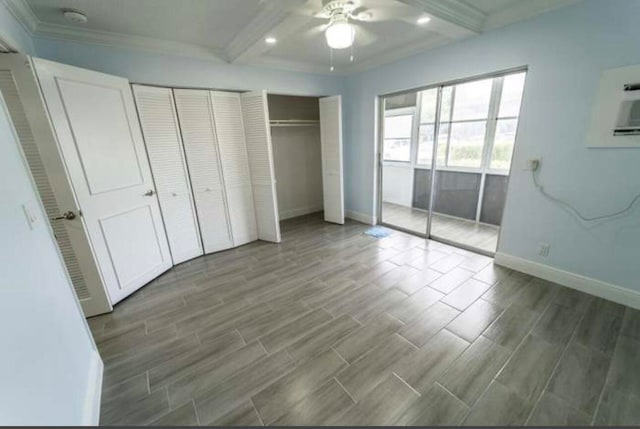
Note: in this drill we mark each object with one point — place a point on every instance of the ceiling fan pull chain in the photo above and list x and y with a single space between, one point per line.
331 59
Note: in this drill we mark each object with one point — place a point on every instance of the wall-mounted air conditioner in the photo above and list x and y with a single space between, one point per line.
628 123
615 119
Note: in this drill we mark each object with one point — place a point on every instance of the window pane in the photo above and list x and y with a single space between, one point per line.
503 144
445 109
511 95
465 146
425 144
428 108
397 150
397 127
472 100
400 101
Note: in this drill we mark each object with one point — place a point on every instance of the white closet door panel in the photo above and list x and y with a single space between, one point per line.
203 159
164 147
99 136
212 207
243 221
331 144
227 114
260 154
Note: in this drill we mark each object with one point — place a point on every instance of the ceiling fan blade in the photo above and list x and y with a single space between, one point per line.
311 8
314 31
364 37
388 13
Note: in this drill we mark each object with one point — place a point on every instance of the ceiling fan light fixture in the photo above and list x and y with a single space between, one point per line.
340 34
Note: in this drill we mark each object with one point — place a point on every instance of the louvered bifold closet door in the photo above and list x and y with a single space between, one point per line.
227 114
195 114
260 152
331 145
164 146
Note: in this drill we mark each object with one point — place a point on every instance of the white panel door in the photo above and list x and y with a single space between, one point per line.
159 122
21 92
99 136
203 158
259 149
227 115
331 144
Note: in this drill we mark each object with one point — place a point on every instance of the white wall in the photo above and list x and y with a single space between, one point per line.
397 184
298 167
566 51
48 364
170 70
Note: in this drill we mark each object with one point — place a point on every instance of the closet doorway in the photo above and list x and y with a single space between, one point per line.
306 136
445 157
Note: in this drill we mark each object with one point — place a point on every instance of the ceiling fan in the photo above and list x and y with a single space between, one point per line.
345 18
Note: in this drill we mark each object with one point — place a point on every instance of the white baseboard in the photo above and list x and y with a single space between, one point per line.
361 217
288 214
584 284
94 393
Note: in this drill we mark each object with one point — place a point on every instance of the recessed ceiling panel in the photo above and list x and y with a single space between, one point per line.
212 23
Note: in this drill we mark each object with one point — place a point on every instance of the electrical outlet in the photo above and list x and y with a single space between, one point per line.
533 164
543 249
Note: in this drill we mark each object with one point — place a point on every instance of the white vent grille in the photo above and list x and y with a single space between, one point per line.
19 118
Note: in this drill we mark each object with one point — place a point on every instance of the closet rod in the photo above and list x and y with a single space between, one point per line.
293 123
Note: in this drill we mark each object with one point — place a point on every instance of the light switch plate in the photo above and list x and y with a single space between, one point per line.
30 212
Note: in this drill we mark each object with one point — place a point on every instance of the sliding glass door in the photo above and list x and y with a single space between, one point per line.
445 159
408 146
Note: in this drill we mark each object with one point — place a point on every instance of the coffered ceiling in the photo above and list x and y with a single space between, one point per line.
235 31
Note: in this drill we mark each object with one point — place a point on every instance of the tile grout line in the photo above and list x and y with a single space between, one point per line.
557 365
195 410
257 412
606 379
525 336
393 373
346 391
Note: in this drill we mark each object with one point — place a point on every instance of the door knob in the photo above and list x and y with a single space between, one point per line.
149 193
66 215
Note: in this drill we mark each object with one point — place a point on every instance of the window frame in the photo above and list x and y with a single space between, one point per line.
490 128
402 111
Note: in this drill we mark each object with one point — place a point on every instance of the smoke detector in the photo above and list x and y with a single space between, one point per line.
74 16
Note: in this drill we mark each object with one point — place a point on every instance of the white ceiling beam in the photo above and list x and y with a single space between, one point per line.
276 19
451 18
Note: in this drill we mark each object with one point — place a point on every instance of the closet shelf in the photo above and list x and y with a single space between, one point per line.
293 122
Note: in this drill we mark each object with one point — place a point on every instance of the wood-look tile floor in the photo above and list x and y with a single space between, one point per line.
476 235
334 327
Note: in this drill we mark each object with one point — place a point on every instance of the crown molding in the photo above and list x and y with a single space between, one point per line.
454 12
524 10
119 40
23 14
